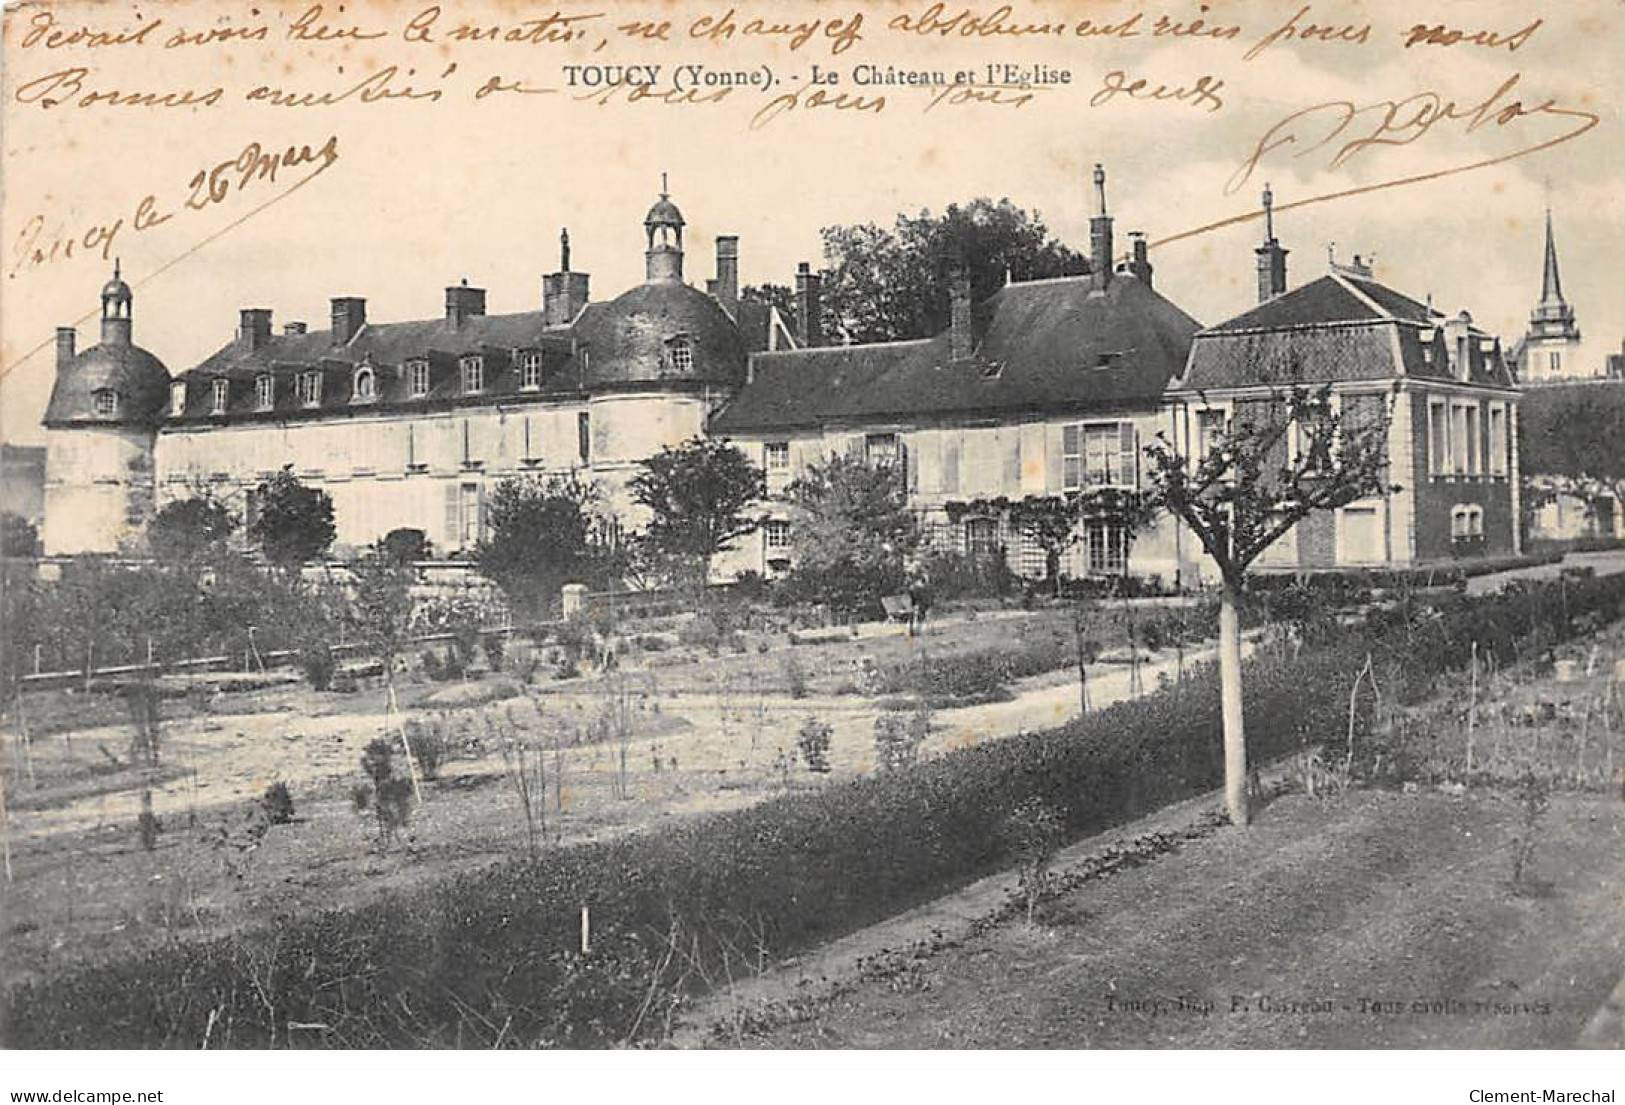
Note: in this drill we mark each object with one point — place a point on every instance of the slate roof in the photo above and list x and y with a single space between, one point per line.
618 343
1042 345
1333 329
140 380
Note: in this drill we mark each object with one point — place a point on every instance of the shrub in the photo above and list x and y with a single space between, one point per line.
897 738
813 743
317 664
430 748
277 802
404 545
495 646
1033 833
795 676
701 631
787 874
389 796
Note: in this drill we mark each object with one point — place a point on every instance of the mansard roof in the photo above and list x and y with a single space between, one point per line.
1042 345
1338 328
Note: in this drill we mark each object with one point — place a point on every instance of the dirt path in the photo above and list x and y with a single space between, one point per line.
1378 919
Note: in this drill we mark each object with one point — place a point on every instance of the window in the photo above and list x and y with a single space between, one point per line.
776 456
950 460
419 372
1209 429
1466 523
310 388
264 391
1554 363
1498 439
584 436
981 537
880 450
366 385
222 394
177 398
682 355
1439 458
106 400
1107 546
1098 455
530 371
776 534
473 375
1475 443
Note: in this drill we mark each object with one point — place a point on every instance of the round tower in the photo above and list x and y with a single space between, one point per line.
101 425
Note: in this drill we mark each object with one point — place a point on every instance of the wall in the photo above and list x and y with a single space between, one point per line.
1437 495
98 488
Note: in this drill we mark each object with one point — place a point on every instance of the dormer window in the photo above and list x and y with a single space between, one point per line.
310 388
177 398
264 391
222 394
682 355
106 400
366 385
530 371
473 375
419 373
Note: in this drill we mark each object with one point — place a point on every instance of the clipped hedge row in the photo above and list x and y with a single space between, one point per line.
492 957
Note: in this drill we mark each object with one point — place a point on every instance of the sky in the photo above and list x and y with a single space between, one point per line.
423 194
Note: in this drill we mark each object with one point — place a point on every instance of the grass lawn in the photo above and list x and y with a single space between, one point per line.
1375 919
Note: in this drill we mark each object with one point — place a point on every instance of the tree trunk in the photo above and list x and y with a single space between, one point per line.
1235 739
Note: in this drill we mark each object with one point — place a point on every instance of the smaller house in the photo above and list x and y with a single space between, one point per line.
1443 384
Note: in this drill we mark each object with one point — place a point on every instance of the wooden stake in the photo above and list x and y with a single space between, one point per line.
5 826
1472 710
390 710
586 930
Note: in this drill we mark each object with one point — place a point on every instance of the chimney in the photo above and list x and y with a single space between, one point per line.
294 328
564 293
725 288
349 316
1100 237
463 303
1140 264
960 339
809 307
67 338
1271 257
254 328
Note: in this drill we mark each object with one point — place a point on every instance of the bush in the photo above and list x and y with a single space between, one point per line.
795 676
790 873
898 736
277 802
404 546
495 647
701 631
813 743
317 664
429 745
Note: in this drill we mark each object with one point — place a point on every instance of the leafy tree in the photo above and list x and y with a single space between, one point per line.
546 532
18 537
852 533
781 296
187 528
1282 458
404 546
886 284
381 607
698 496
1572 436
295 522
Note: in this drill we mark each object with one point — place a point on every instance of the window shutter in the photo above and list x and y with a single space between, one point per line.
1128 461
453 536
484 515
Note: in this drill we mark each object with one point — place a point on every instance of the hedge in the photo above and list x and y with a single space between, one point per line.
493 957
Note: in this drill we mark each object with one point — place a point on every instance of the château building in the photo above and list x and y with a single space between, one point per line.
403 424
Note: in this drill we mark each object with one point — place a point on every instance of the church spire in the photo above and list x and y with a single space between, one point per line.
1551 284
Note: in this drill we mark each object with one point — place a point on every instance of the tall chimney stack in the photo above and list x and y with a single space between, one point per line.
67 340
809 307
1100 237
1140 263
961 341
564 293
253 328
1271 257
725 288
463 303
349 316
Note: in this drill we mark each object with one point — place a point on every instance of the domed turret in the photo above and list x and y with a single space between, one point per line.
660 332
663 225
102 421
115 382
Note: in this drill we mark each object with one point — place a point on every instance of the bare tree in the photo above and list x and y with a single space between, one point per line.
1281 458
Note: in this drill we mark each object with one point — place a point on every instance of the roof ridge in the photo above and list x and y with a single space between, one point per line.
1349 286
840 348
